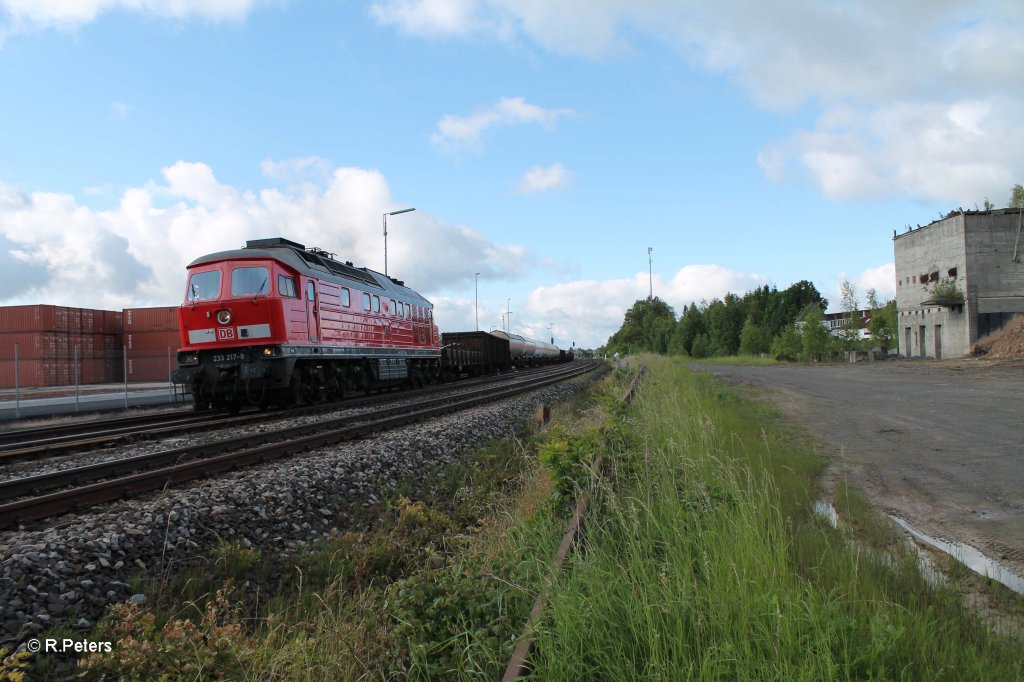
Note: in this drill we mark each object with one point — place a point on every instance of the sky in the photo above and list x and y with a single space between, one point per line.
545 146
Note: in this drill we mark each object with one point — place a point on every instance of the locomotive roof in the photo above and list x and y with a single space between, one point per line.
314 262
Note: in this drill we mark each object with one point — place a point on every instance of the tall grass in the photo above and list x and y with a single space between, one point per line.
703 560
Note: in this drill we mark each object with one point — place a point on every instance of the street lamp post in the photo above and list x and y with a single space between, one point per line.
404 210
476 305
508 314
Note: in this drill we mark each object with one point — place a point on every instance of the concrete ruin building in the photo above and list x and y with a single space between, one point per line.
958 279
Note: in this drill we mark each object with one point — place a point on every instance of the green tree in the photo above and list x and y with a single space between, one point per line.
798 296
849 334
724 322
787 345
754 339
647 326
701 347
1016 197
884 324
816 339
690 325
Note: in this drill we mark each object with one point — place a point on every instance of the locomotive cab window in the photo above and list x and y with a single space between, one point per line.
249 281
391 307
204 286
310 291
344 297
286 286
407 312
366 302
376 303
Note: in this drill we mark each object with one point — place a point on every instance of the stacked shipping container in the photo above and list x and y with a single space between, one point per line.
150 342
50 337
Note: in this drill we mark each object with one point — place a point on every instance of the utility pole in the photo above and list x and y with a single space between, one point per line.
650 274
477 304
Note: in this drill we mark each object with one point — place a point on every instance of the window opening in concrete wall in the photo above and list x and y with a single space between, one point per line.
922 341
951 272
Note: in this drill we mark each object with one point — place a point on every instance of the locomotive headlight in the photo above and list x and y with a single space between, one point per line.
224 316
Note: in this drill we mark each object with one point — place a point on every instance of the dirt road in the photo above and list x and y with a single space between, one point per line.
940 444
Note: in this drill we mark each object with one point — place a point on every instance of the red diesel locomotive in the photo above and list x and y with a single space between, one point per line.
276 323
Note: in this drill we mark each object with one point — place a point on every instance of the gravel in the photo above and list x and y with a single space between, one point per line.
70 571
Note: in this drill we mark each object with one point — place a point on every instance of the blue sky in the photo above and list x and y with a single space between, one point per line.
544 145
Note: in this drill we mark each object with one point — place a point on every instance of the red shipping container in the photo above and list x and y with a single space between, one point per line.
151 342
89 320
113 372
149 368
31 373
150 319
74 320
112 322
34 346
93 372
28 318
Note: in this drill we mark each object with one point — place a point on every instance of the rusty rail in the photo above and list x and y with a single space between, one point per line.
519 665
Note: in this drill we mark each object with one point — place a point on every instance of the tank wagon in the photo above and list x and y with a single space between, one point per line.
529 352
276 323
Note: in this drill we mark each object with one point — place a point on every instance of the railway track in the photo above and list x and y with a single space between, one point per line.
65 438
126 477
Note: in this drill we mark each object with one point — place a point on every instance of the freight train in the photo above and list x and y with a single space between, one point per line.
278 324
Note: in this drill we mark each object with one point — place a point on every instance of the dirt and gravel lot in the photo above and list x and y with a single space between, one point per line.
937 443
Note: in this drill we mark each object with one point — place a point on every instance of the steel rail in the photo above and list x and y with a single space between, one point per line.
297 439
55 440
33 485
40 433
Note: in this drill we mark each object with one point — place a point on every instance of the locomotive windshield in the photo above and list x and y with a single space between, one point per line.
249 281
204 286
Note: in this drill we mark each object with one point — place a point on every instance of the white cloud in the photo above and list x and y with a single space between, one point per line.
291 169
540 179
882 279
135 253
589 311
915 98
461 132
35 14
120 110
434 18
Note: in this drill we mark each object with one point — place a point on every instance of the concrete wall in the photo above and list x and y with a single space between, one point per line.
936 248
979 246
995 281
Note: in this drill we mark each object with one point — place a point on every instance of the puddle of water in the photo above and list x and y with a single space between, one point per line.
970 557
929 571
828 511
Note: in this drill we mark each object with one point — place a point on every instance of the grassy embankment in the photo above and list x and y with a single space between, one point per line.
702 559
737 360
706 561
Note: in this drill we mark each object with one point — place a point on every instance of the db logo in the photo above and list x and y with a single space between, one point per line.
226 333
